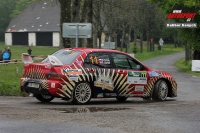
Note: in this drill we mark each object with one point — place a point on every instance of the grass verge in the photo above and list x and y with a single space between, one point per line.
182 66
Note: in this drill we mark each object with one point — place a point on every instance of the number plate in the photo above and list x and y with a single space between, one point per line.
33 85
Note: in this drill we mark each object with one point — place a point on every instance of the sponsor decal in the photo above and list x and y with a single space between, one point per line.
105 83
139 88
54 61
79 63
137 77
100 61
53 85
96 60
73 71
106 61
136 74
100 95
155 74
73 77
110 94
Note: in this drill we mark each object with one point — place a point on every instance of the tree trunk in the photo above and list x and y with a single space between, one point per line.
65 11
141 43
148 41
89 20
187 56
122 42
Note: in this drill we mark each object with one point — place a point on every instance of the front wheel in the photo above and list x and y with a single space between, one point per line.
160 91
44 97
82 93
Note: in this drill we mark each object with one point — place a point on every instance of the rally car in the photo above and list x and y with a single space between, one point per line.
79 74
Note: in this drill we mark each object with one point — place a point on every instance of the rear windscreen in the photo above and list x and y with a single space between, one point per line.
65 56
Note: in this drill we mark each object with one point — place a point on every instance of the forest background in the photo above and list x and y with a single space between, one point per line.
124 20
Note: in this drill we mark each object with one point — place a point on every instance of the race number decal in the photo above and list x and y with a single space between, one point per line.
94 59
137 77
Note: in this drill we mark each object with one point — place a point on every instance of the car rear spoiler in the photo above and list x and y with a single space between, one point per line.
54 61
26 58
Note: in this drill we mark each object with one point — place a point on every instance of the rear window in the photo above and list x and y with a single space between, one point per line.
65 56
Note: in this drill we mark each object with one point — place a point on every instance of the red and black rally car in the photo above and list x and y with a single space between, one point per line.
79 74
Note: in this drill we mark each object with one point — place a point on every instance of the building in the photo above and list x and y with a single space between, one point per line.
37 25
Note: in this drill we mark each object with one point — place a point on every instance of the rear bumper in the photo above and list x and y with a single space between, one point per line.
30 90
25 88
52 86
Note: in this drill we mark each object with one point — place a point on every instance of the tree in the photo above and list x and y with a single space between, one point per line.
20 6
189 35
6 8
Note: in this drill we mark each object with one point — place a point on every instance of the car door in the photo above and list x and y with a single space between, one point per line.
130 77
98 64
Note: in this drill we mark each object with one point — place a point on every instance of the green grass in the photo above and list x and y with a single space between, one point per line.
182 66
9 79
166 50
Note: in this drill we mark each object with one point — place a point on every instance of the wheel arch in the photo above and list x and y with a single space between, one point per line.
168 84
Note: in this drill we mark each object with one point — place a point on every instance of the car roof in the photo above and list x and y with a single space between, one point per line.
88 50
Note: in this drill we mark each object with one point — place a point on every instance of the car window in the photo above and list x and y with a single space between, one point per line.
120 61
134 65
97 60
124 62
65 56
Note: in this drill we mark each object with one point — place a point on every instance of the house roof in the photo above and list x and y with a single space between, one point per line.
38 17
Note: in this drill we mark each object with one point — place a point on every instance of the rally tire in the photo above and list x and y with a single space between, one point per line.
82 93
44 98
160 91
121 98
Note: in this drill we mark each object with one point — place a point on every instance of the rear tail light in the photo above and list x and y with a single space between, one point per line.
53 75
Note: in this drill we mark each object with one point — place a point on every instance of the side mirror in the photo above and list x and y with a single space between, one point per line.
140 67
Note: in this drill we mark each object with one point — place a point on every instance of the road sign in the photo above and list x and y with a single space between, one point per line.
77 30
84 30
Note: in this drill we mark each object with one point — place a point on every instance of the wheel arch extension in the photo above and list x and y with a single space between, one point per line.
168 84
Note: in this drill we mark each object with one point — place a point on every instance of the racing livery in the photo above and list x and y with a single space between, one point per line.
79 74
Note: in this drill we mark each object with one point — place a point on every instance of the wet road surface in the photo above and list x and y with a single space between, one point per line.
176 115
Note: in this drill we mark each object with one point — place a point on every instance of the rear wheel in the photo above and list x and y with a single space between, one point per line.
44 97
121 98
82 93
160 91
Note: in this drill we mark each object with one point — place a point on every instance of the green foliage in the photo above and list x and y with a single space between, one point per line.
6 8
20 6
135 48
9 89
187 34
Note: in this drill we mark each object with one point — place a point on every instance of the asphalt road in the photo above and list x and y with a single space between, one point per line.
176 115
